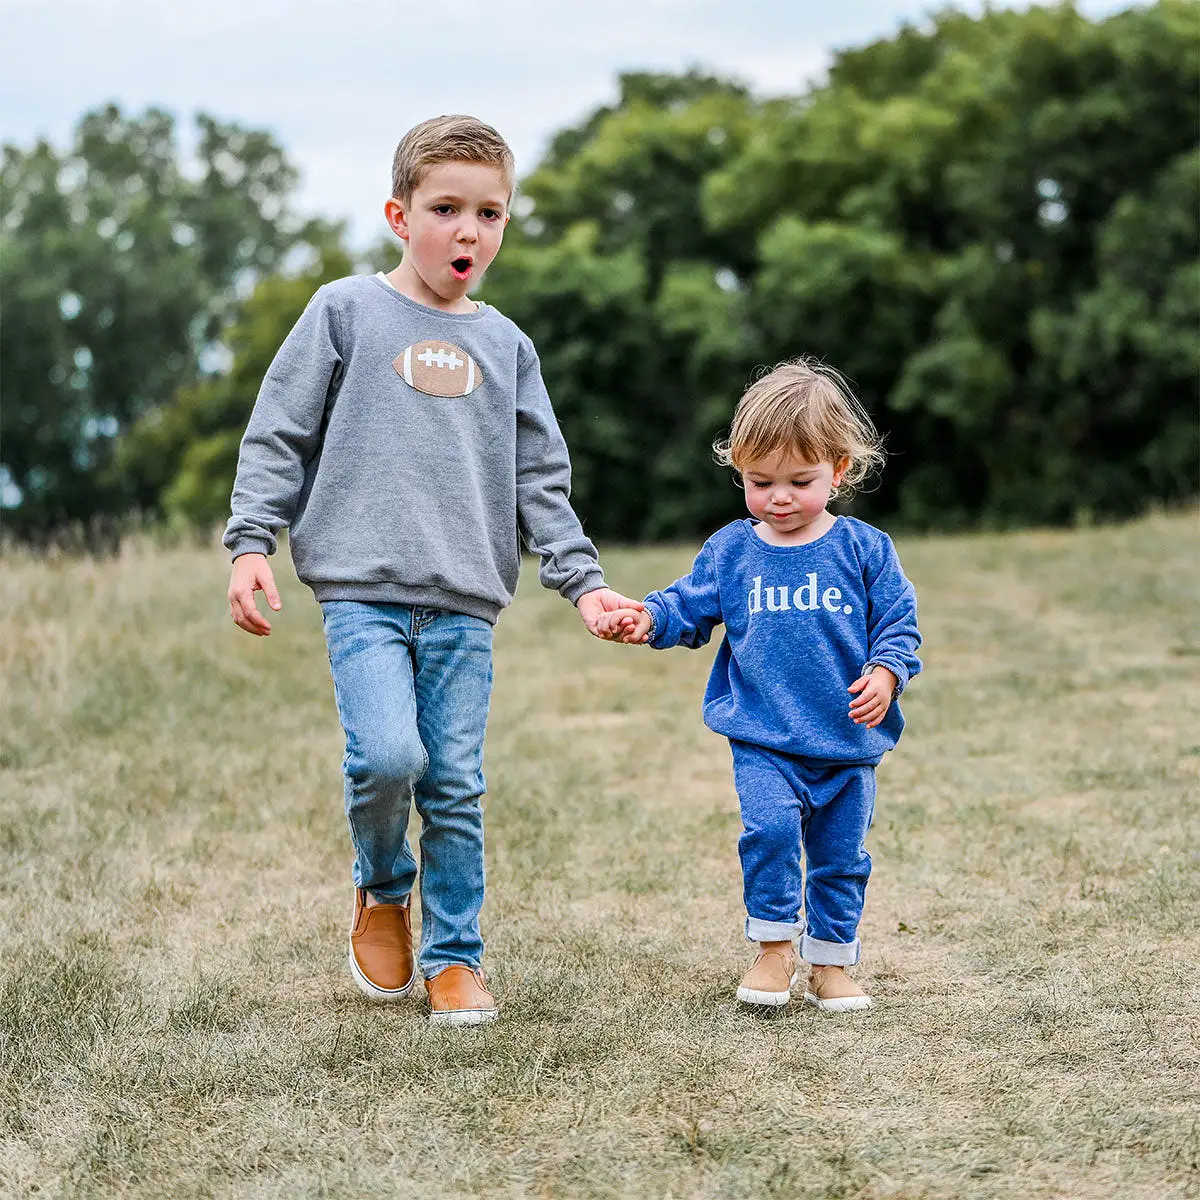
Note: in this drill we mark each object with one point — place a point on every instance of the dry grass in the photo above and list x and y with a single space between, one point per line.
176 1020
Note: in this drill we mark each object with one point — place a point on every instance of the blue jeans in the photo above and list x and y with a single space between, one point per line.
788 804
412 687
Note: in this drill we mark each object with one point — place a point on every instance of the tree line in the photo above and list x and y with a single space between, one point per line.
990 224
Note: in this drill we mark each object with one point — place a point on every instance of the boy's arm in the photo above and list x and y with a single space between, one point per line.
569 562
284 430
686 613
892 634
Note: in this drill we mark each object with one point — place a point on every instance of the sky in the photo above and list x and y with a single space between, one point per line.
339 81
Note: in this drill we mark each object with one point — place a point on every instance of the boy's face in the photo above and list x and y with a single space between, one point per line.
453 225
786 492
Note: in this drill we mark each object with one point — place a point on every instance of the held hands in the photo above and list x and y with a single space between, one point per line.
252 573
598 607
627 625
875 690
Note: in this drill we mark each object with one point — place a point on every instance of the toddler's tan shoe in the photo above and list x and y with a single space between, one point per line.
381 950
769 981
457 996
832 990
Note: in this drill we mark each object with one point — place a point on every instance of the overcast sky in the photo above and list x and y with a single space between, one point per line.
338 81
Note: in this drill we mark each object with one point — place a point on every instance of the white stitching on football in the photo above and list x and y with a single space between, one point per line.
438 369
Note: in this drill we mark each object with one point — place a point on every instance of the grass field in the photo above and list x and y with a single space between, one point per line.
176 1018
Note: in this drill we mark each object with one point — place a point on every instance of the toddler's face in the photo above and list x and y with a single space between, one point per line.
453 224
786 492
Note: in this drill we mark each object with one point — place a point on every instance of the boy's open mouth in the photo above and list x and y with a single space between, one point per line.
461 267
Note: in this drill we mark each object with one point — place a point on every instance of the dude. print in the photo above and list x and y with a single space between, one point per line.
805 597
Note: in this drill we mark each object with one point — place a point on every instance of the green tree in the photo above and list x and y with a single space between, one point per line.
185 452
119 270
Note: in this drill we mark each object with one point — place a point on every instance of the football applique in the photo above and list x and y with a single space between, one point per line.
438 369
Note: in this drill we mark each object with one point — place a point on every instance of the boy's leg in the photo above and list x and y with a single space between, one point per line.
371 665
838 865
453 682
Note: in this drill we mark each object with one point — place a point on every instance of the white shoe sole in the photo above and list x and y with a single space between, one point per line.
840 1004
766 999
468 1016
381 995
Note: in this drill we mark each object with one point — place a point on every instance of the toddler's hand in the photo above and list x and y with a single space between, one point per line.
595 605
875 689
625 625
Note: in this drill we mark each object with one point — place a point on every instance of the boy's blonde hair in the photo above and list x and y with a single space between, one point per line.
806 408
453 138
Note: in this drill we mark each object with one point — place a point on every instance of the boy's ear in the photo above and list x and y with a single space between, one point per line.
395 212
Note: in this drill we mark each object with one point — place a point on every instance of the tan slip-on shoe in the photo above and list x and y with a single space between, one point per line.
769 981
381 950
457 996
831 990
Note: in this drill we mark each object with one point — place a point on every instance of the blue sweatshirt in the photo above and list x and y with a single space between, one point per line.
801 624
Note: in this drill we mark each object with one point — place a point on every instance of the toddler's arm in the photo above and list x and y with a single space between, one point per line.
686 613
892 634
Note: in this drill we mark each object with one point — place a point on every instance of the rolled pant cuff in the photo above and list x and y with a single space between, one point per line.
829 954
771 931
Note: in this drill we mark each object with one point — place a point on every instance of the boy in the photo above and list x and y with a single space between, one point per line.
403 434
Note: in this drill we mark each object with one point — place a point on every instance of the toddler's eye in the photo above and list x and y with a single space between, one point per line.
758 483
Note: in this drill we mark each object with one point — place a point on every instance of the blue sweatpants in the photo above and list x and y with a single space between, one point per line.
788 805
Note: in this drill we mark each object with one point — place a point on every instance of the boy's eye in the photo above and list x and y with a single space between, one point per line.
491 214
443 209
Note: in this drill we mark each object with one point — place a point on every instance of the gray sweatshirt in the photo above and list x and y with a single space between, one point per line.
394 490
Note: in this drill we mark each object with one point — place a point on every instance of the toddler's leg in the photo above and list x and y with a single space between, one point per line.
839 866
770 852
770 844
453 684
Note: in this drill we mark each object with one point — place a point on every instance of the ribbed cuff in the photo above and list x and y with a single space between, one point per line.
593 581
249 545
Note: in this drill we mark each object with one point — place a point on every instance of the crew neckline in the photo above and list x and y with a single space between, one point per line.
388 287
748 524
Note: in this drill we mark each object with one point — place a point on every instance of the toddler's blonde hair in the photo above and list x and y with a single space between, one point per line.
452 138
806 408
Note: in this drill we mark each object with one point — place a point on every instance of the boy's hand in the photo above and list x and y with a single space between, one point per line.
876 690
625 625
252 573
593 605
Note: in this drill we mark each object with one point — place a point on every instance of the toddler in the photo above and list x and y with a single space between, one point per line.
820 640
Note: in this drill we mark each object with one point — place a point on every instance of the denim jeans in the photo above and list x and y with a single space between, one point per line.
412 687
788 804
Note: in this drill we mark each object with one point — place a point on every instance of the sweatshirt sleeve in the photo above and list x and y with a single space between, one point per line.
892 634
569 562
284 431
686 613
